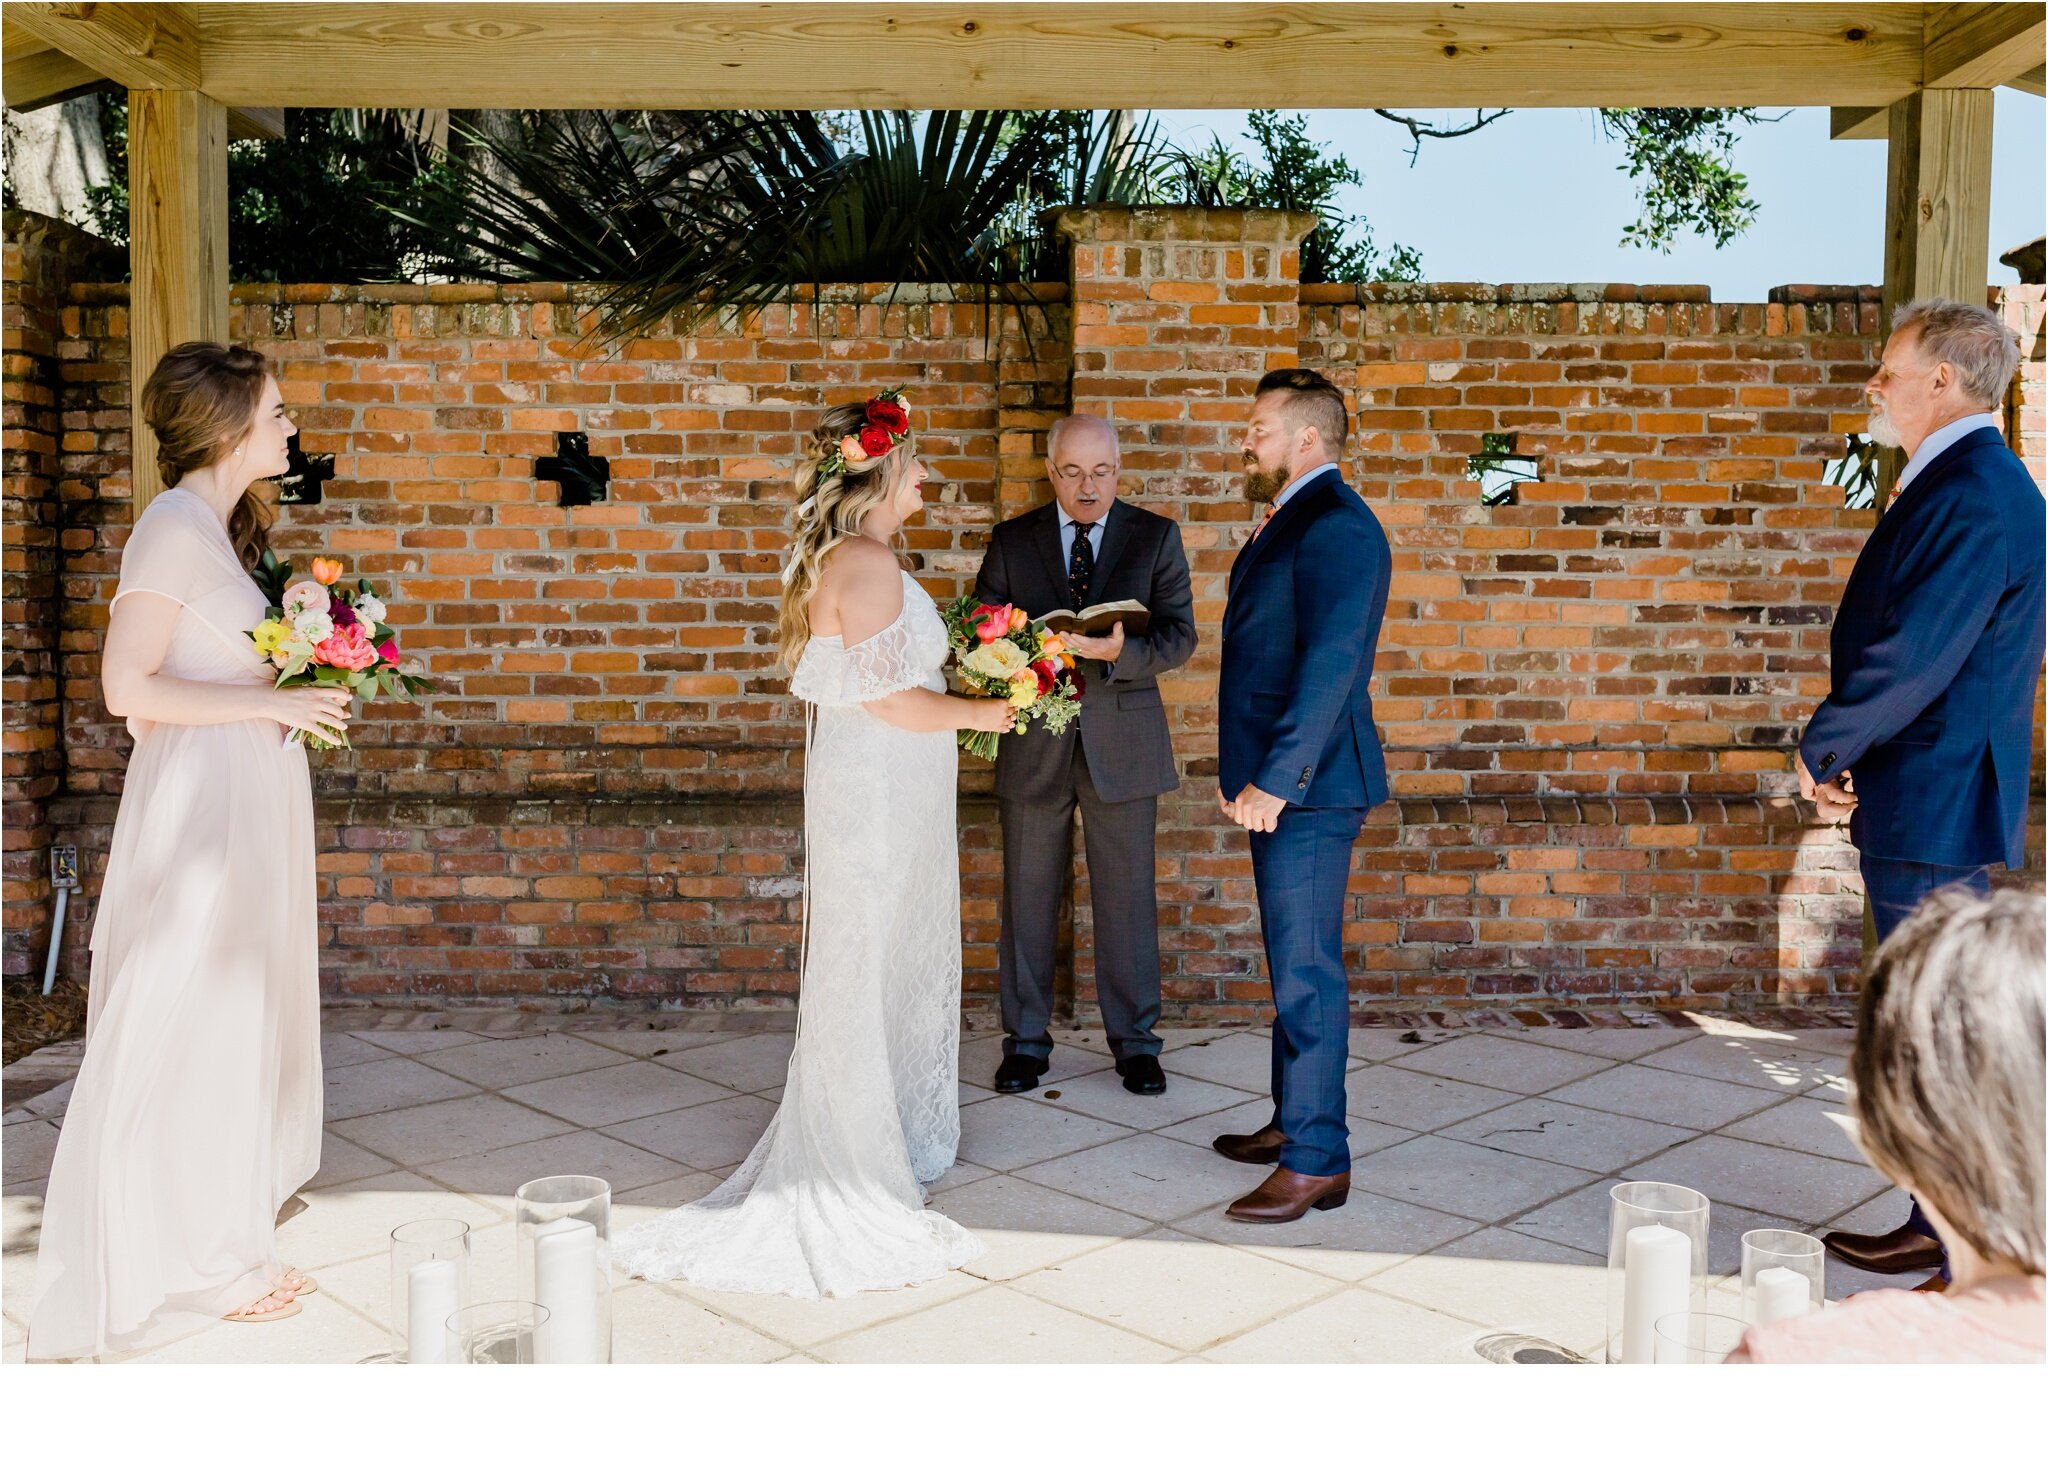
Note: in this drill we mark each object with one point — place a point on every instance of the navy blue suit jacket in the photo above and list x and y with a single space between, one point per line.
1933 660
1295 702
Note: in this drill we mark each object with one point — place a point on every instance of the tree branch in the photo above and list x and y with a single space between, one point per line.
1418 129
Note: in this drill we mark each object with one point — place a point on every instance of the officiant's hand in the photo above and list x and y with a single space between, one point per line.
1255 809
1098 648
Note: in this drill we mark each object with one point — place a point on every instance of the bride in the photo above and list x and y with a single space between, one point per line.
831 1199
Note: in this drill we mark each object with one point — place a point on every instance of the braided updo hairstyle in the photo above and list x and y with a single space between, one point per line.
200 401
829 509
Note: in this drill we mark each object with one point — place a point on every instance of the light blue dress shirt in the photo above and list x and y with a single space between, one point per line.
1067 528
1938 442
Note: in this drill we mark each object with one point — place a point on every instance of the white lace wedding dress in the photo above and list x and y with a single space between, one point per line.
831 1199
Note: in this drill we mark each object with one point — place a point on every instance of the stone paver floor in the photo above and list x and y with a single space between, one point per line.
1478 1207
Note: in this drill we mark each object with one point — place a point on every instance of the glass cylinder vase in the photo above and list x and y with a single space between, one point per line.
504 1332
1784 1274
1697 1337
1656 1266
429 1281
565 1264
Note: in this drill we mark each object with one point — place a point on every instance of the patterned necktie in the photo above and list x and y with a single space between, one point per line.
1081 566
1265 520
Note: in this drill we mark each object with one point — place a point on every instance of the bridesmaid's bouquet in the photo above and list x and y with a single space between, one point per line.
998 651
321 633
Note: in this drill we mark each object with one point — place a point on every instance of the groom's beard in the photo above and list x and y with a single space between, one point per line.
1262 486
1883 431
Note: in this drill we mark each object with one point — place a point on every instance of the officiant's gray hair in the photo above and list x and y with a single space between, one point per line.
1948 1067
1062 426
1983 349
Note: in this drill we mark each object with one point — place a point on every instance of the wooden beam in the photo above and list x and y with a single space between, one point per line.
41 76
177 242
1859 124
1981 45
974 53
134 45
2035 81
245 123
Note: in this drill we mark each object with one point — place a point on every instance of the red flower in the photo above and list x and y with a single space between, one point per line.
885 414
875 440
388 650
990 622
1048 673
1079 683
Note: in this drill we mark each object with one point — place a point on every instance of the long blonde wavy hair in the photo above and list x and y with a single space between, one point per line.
829 511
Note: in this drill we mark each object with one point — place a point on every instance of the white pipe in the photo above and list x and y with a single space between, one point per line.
56 940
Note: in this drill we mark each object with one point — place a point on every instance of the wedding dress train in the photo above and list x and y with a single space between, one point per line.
831 1200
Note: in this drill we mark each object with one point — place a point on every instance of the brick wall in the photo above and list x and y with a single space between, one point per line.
41 256
1588 697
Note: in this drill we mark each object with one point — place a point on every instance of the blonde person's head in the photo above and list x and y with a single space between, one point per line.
831 505
1948 1067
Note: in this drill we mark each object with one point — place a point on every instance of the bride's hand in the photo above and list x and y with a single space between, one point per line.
321 712
990 715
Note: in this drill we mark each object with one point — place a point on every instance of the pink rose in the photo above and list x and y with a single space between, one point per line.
388 650
348 648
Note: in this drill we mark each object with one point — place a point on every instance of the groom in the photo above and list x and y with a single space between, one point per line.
1299 765
1085 548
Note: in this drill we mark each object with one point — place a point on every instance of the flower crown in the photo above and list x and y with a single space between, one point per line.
885 424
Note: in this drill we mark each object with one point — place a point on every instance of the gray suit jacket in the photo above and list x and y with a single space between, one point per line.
1122 724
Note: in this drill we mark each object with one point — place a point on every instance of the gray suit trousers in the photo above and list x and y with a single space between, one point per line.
1038 850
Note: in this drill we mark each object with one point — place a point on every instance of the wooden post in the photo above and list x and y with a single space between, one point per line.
1937 229
177 242
1937 215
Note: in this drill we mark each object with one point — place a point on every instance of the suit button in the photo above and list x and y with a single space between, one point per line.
1825 762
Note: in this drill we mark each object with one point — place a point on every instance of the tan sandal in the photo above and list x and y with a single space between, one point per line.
252 1314
305 1287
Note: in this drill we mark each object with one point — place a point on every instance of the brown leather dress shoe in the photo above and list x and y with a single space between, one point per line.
1262 1148
1287 1196
1901 1250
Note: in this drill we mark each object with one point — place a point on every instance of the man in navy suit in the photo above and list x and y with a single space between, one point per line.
1924 742
1299 765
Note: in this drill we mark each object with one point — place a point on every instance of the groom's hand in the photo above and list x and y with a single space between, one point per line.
1255 809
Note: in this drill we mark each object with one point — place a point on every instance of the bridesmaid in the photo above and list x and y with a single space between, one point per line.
196 1113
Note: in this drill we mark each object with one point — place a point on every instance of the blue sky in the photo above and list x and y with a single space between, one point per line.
1536 196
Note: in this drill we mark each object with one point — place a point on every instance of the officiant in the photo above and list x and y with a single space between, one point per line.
1084 549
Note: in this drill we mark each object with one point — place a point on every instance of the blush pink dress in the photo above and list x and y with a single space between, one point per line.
196 1113
1998 1322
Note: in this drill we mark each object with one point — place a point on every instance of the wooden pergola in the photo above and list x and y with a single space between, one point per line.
1918 75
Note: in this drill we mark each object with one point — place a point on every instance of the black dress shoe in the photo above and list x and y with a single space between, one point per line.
1019 1072
1901 1250
1142 1074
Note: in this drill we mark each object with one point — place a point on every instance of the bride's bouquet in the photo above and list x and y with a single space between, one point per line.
998 651
320 633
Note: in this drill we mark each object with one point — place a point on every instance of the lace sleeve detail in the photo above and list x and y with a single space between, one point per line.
834 676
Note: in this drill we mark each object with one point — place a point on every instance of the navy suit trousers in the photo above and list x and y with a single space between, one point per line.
1302 869
1895 887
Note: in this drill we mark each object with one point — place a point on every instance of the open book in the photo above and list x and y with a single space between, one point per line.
1097 620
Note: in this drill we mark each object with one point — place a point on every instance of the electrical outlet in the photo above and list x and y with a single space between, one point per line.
64 867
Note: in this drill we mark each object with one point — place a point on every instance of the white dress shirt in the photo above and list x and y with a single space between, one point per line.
1939 441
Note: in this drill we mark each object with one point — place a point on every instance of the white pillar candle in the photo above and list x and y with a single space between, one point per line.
1657 1283
1780 1293
433 1290
565 1284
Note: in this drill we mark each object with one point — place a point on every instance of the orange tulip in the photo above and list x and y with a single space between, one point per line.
326 571
1018 620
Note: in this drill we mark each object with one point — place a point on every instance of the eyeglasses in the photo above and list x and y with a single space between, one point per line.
1101 476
